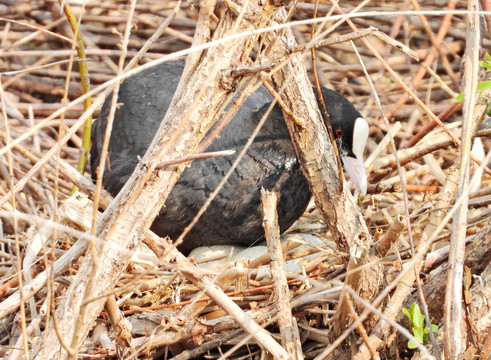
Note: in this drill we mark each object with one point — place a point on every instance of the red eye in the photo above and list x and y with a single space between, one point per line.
339 133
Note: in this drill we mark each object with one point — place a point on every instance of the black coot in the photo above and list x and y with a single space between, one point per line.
234 216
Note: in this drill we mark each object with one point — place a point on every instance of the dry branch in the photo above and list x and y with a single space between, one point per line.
316 156
132 212
289 332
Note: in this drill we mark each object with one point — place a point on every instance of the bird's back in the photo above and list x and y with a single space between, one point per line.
235 215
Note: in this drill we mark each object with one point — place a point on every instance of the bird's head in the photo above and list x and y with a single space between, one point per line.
350 130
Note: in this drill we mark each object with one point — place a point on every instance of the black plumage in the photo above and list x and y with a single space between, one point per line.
234 216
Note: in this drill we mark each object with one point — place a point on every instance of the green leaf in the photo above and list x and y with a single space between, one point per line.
419 334
485 64
418 318
420 330
483 85
411 344
408 314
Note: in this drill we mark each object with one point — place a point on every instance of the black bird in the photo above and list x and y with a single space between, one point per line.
234 217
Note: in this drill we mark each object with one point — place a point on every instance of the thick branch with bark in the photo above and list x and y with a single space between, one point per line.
133 210
318 160
315 152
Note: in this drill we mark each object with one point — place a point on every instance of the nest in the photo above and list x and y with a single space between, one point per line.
329 299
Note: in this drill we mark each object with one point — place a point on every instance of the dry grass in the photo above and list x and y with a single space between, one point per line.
163 307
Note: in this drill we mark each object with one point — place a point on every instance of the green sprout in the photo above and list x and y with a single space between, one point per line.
483 85
486 63
420 329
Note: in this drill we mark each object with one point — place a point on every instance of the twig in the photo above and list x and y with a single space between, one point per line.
39 67
361 330
245 322
390 321
206 155
236 162
272 233
221 338
427 128
428 60
453 326
85 82
391 236
17 252
38 29
406 204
